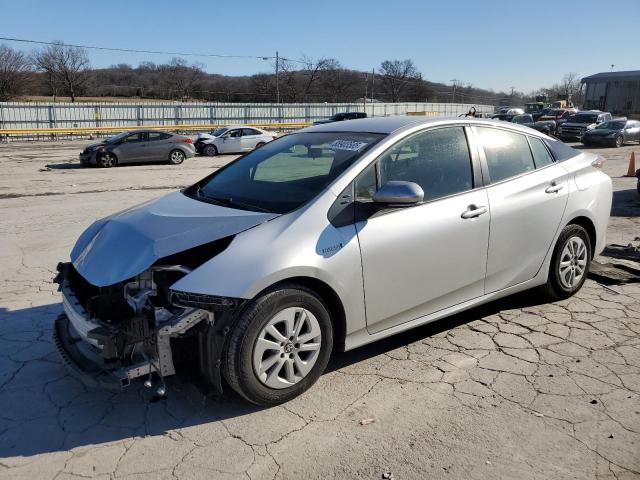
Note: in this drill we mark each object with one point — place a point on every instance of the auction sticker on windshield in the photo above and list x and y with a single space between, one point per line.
349 145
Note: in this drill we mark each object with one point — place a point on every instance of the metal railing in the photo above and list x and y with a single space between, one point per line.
44 120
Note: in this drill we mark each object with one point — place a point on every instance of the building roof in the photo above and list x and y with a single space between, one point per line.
612 76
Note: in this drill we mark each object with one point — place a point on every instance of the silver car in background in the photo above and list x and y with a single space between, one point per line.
232 139
139 146
325 240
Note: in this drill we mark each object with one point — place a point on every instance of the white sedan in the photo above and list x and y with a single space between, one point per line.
232 139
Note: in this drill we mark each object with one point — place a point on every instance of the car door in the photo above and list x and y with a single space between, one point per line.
230 142
421 259
158 147
250 138
132 148
527 199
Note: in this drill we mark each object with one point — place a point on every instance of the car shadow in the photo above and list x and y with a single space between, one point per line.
66 166
626 203
45 409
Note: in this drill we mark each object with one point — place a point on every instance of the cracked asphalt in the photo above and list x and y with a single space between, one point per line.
515 389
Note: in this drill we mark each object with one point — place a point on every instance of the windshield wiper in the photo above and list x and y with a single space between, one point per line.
229 202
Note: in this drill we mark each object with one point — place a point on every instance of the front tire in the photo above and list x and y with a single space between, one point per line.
176 157
107 160
569 264
279 345
210 150
619 141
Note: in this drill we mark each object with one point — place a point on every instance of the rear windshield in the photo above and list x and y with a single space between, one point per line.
559 150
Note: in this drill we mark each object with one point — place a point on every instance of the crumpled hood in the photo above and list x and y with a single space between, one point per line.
127 243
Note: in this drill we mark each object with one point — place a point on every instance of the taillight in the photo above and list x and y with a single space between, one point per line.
598 162
187 140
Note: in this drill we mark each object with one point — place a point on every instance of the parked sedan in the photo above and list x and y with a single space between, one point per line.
526 119
341 117
139 146
548 127
614 133
234 139
325 240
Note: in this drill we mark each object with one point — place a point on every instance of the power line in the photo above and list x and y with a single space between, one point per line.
153 52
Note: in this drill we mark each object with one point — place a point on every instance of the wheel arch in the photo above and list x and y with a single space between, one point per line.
589 226
331 299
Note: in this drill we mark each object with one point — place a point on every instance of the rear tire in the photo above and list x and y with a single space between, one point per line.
260 144
569 264
268 359
176 157
210 150
107 160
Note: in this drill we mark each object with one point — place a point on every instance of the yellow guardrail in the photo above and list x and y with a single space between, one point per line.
45 131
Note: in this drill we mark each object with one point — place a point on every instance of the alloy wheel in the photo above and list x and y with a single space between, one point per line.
177 156
573 262
287 348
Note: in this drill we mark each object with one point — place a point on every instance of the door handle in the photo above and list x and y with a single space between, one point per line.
473 212
553 188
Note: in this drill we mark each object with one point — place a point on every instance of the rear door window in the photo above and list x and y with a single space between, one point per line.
158 136
507 153
246 132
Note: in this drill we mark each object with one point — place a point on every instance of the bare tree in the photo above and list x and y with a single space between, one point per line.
182 78
15 73
395 76
65 67
313 71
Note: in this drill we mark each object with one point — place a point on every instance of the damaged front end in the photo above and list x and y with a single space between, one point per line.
139 328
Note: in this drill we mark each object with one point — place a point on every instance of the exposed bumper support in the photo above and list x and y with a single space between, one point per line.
85 363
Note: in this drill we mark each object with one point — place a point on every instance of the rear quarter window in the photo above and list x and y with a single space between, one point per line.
560 151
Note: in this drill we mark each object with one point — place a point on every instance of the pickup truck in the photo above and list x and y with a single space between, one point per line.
578 124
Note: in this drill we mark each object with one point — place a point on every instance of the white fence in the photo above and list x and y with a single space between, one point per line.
15 115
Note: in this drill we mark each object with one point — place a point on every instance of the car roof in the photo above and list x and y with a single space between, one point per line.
388 125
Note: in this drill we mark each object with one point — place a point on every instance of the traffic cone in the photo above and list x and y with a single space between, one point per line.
631 172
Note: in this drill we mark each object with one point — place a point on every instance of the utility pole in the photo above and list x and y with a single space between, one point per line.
373 82
454 81
364 100
512 89
277 78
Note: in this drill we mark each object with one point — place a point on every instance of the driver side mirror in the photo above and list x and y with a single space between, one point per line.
399 193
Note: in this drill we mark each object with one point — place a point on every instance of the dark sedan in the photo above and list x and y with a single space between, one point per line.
545 126
139 146
614 133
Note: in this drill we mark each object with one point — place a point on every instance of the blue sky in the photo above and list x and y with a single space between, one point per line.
490 44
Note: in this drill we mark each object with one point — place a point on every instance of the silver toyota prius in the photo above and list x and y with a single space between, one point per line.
327 239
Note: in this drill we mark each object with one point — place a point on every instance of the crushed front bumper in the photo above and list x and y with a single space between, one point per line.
85 363
86 345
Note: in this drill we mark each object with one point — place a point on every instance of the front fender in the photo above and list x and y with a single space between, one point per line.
299 244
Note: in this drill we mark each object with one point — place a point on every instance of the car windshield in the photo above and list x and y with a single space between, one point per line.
219 131
614 125
584 119
285 173
117 138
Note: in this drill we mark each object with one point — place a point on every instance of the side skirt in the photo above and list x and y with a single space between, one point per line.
362 337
